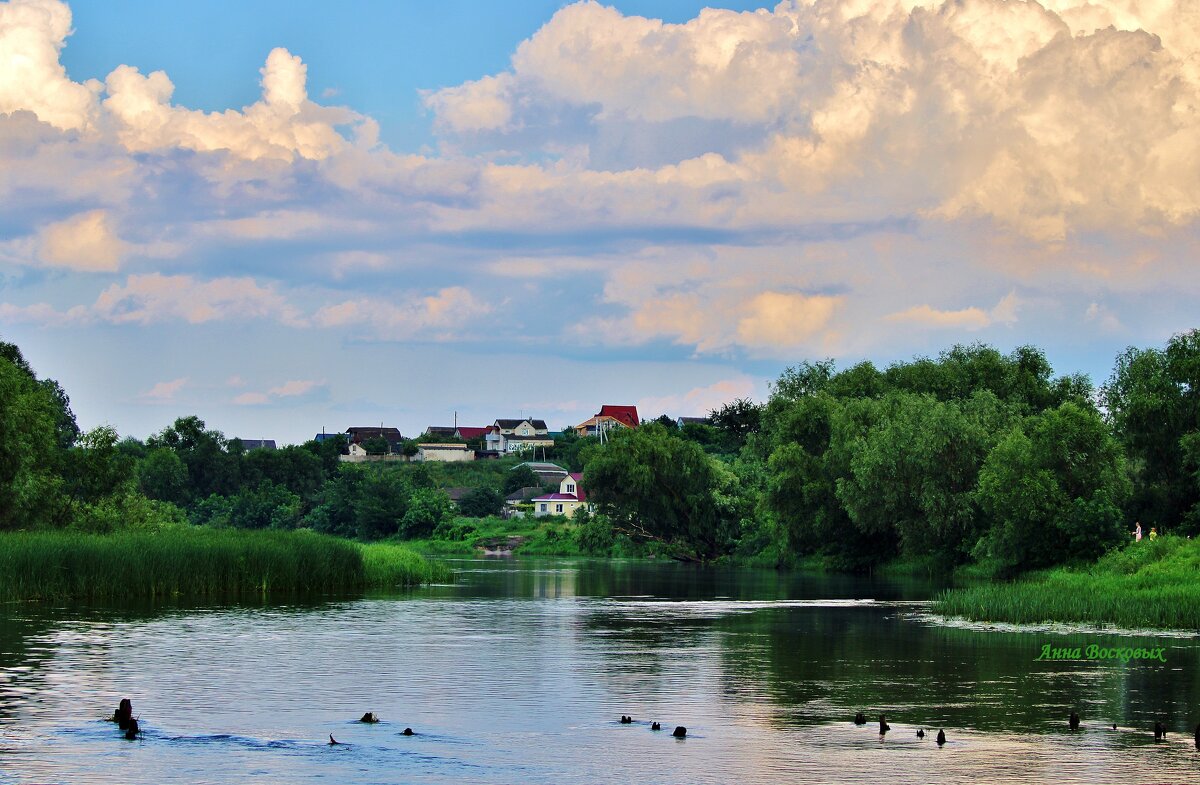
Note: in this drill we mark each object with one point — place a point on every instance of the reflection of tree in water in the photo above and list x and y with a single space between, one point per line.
823 665
21 660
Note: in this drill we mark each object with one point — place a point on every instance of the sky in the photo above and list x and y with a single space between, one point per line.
295 217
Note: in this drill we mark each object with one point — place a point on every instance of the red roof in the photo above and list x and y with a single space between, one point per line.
578 478
627 415
470 432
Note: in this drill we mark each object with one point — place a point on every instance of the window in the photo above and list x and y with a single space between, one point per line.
524 431
558 508
544 506
570 487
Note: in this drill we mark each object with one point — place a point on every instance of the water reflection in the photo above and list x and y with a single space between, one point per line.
520 671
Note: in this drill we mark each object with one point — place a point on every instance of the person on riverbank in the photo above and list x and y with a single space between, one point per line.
1137 532
1153 533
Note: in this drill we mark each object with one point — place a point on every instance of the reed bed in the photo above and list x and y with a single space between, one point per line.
1146 585
387 566
194 561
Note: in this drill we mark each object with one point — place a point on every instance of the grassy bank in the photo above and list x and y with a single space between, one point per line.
1143 585
194 561
548 536
386 565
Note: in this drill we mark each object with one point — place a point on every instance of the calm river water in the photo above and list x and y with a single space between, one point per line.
520 672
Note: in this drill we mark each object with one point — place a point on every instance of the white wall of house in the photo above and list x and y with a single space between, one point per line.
445 453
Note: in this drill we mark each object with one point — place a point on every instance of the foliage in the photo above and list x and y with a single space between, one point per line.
1054 489
427 507
520 477
738 418
1153 402
376 445
654 485
32 448
481 502
914 472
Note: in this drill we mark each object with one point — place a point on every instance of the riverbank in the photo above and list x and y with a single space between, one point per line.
1145 585
197 561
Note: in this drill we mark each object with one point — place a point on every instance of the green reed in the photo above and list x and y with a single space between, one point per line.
1143 585
387 565
194 561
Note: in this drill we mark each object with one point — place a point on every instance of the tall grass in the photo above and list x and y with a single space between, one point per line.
1143 585
386 565
193 561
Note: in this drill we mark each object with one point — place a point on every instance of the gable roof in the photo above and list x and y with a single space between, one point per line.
539 424
471 432
626 415
521 494
440 430
456 494
359 434
579 492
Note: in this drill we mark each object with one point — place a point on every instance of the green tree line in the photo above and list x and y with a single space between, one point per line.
971 456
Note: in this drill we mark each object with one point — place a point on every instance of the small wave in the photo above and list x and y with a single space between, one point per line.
959 622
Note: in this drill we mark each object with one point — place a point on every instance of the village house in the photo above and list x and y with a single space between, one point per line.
607 418
569 498
358 436
512 436
546 472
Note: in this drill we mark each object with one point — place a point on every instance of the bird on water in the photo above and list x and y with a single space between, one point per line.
941 737
921 733
860 719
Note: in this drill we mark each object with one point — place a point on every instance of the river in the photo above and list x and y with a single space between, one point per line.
521 670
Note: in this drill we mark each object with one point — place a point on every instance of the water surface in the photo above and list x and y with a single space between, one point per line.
520 671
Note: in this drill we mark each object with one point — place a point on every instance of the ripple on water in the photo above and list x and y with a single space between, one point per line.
505 686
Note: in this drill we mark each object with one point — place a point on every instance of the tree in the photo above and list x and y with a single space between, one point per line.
653 485
95 467
376 445
914 472
481 502
1053 489
210 468
31 452
738 418
520 477
1153 402
816 437
162 475
427 508
803 380
381 502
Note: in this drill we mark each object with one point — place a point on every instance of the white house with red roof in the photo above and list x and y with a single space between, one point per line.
569 498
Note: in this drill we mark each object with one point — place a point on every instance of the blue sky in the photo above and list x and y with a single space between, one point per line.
292 216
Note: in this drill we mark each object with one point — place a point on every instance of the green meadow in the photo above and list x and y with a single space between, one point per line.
1143 585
